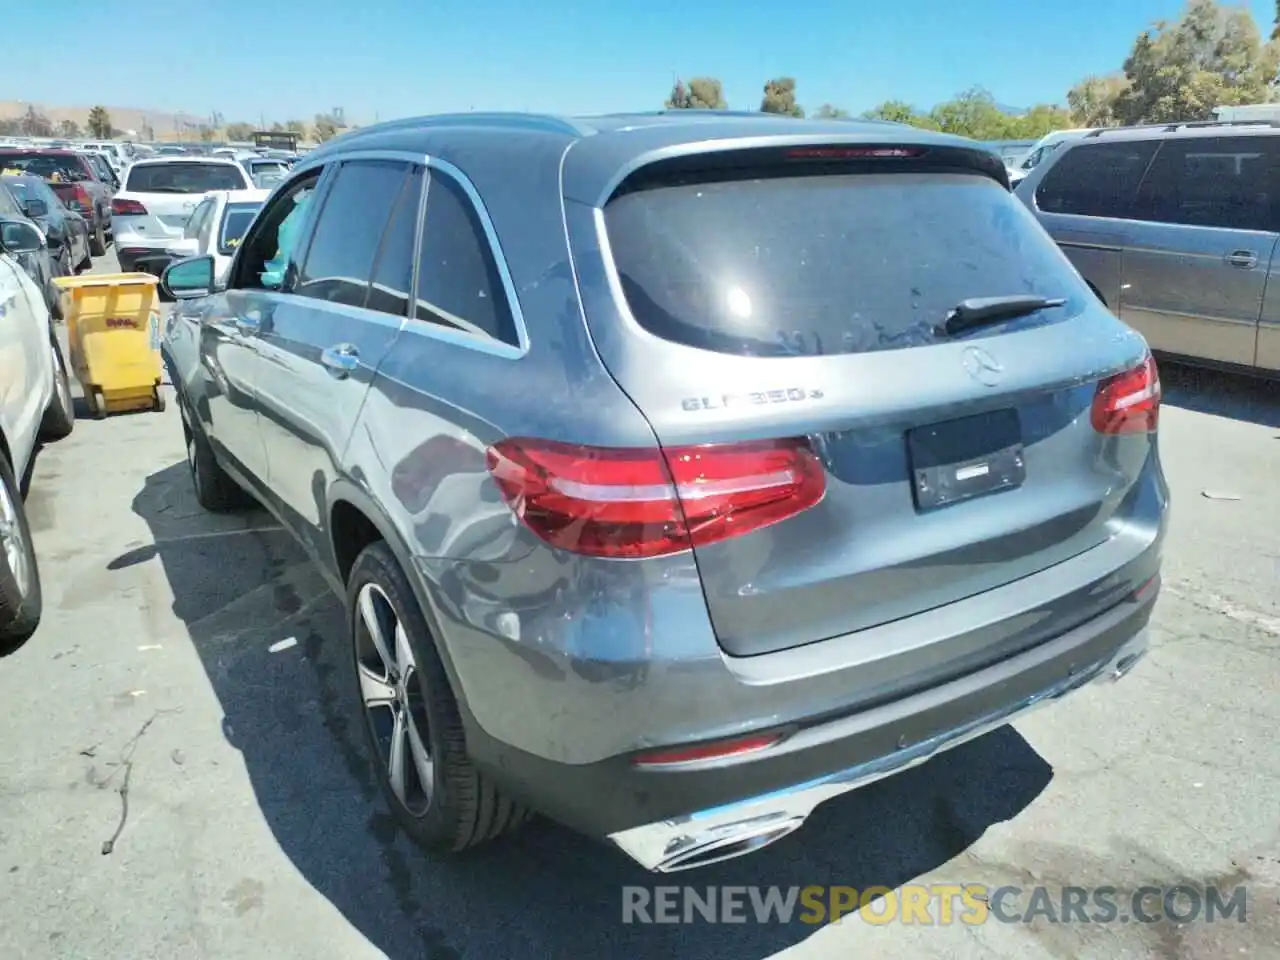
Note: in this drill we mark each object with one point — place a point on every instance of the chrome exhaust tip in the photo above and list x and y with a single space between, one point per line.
1125 664
726 842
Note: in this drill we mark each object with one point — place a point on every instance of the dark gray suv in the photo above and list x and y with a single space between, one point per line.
680 471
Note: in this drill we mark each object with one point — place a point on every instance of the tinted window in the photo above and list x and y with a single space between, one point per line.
355 213
236 218
69 169
393 273
1213 182
458 281
11 197
1095 179
828 264
184 178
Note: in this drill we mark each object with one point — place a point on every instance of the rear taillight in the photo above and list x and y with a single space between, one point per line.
1129 402
718 750
127 208
632 503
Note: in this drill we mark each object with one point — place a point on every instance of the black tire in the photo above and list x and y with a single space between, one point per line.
215 490
97 403
463 808
98 240
19 609
60 416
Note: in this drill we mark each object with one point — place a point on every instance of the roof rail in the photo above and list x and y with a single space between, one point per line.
1183 125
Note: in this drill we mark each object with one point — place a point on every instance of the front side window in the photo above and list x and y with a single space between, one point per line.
184 177
1096 178
197 219
1226 182
351 221
459 286
270 243
828 264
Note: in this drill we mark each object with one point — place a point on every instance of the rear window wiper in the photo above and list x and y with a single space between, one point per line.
983 311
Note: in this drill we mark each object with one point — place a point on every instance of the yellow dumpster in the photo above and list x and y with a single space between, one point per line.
113 329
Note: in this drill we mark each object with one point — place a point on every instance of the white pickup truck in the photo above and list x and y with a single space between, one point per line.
35 406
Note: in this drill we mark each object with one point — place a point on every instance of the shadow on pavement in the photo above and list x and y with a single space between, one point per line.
545 891
1234 396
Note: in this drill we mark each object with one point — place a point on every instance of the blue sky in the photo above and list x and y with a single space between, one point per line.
393 58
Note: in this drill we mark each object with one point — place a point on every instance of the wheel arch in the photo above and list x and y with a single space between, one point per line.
354 521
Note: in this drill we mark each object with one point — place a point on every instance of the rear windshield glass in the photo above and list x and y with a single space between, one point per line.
803 266
184 178
235 222
46 166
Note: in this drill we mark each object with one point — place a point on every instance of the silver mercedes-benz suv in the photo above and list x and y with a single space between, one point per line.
680 471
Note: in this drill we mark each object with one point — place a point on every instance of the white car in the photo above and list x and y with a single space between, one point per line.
35 405
158 198
265 171
217 225
116 153
1041 149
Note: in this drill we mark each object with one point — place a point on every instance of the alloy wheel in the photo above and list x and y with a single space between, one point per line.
12 542
392 696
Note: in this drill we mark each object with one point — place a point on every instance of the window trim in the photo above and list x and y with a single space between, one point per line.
439 167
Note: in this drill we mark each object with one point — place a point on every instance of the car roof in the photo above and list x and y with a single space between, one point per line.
245 196
1184 131
595 153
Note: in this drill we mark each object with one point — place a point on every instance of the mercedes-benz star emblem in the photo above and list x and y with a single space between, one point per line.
982 366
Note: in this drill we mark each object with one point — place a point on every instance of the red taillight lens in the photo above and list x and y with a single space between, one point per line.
625 502
127 208
1129 402
706 751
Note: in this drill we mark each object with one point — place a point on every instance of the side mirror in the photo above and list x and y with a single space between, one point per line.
188 279
36 208
18 237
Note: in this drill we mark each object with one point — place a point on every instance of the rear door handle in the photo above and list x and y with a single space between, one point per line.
1245 259
341 359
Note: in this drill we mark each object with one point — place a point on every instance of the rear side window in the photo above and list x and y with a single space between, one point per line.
1096 179
339 261
836 264
68 169
184 178
1227 182
458 281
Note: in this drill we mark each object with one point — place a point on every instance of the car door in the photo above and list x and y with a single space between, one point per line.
23 359
1195 266
326 337
229 323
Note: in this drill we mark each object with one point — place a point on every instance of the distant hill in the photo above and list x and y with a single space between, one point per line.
1012 111
164 126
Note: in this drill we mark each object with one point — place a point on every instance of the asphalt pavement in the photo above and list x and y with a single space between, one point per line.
199 661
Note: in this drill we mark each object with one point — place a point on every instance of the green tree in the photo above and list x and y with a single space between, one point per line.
896 111
239 132
702 93
298 127
1036 122
974 114
780 97
1212 56
325 128
207 133
828 112
68 128
36 124
99 123
277 127
1093 100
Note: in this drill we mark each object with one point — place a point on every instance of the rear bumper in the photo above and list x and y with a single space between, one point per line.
677 818
133 257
